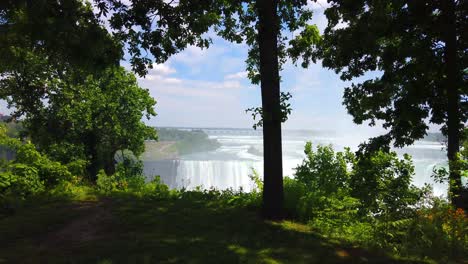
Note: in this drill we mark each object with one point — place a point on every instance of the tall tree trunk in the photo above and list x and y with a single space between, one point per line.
453 101
268 30
109 163
93 166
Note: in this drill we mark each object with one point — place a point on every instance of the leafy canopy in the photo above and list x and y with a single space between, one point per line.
402 42
43 40
93 119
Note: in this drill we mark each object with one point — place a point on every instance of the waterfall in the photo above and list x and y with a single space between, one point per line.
230 165
219 174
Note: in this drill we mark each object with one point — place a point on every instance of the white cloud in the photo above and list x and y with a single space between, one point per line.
192 102
185 87
193 55
4 110
162 69
237 75
231 85
221 57
173 80
299 80
159 74
318 4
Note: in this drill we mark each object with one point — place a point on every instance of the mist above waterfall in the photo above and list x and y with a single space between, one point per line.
240 151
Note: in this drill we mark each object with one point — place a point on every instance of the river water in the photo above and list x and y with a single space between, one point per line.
230 165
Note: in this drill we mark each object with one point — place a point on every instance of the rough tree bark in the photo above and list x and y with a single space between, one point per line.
109 163
270 85
453 100
93 166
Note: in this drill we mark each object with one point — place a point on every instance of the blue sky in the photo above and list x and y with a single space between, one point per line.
209 88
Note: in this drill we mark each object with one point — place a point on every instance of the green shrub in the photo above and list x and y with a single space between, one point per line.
130 173
437 231
382 182
336 216
368 199
255 178
28 173
65 152
324 170
78 167
294 191
379 180
127 177
20 181
226 198
156 189
106 183
50 172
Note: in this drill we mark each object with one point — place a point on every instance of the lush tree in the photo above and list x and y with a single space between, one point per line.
163 28
379 180
324 171
262 25
418 49
55 58
155 30
166 27
94 119
63 32
44 40
26 172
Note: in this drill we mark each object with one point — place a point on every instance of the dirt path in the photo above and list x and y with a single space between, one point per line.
91 224
135 230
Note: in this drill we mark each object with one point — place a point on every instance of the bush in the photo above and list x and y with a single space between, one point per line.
437 231
77 167
27 173
127 177
49 172
368 198
106 183
324 170
130 171
294 191
380 181
255 178
337 217
16 184
156 189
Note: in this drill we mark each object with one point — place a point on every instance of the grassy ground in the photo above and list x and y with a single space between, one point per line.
131 229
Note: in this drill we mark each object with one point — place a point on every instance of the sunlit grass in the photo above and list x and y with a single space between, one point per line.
125 228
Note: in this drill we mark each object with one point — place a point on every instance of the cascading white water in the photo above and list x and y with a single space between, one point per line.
219 174
231 164
206 174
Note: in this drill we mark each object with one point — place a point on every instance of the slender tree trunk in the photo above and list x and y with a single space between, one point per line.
268 30
93 167
453 101
109 163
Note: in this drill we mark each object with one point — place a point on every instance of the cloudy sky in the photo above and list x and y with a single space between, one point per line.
209 88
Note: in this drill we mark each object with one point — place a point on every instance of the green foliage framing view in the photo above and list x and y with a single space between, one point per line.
93 119
417 52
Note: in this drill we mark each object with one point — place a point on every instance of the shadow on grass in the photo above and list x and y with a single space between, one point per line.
131 229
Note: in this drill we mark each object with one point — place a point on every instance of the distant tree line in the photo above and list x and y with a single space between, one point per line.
188 141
